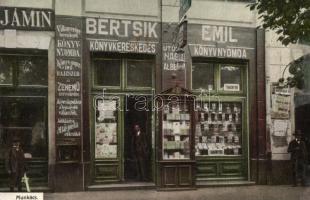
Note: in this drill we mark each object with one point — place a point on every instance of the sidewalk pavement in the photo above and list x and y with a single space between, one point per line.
211 193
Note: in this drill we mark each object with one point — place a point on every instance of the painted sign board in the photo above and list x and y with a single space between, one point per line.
123 36
19 18
68 77
221 41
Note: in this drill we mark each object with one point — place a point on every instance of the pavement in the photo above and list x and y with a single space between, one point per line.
255 192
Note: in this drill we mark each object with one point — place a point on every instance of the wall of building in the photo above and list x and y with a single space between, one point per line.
202 12
28 3
280 129
222 12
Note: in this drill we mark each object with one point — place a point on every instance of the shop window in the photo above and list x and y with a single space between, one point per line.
32 70
123 73
217 77
106 129
203 76
23 70
107 72
23 118
6 74
136 69
219 129
23 109
230 78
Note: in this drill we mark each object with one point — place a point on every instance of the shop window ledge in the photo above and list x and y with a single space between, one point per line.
216 183
33 189
122 186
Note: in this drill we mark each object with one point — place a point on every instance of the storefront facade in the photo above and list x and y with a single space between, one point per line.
90 73
26 44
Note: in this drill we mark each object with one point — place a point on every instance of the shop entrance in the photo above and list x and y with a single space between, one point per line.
116 113
137 146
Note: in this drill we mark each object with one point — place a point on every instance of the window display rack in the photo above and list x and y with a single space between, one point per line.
218 130
176 135
176 132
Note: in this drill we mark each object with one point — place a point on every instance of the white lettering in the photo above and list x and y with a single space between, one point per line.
15 19
230 36
114 26
27 20
97 45
220 52
102 27
126 23
91 26
214 33
6 18
37 18
218 33
152 30
46 18
137 29
206 33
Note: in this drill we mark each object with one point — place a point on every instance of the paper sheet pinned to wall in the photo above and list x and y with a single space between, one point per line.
280 128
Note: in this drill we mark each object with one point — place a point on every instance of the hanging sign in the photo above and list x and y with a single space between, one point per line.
182 35
184 6
280 103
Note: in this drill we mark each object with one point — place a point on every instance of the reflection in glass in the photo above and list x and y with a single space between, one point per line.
203 76
107 72
5 71
32 70
139 73
230 78
25 119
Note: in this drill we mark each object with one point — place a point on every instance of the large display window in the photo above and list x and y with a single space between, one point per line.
23 89
23 110
25 118
218 129
221 110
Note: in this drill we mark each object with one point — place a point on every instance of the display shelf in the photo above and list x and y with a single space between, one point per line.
218 130
176 139
176 131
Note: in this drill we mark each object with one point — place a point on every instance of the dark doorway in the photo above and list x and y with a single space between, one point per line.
137 112
302 123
